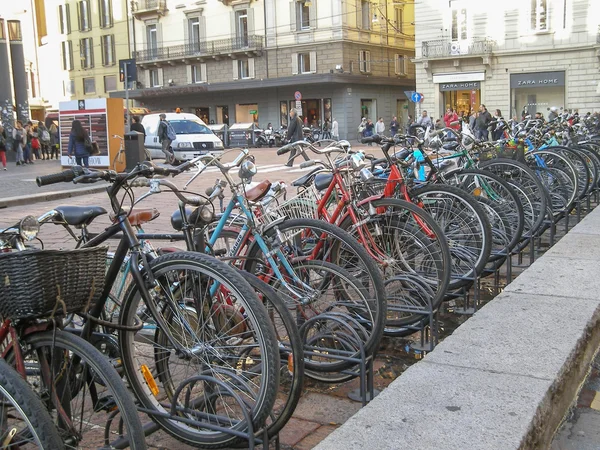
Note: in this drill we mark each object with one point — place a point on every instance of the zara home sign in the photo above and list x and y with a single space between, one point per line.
539 79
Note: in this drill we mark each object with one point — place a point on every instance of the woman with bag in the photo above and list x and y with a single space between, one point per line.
19 141
3 146
54 137
79 144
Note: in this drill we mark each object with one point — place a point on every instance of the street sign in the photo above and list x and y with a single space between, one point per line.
299 107
253 111
416 97
297 95
130 72
409 94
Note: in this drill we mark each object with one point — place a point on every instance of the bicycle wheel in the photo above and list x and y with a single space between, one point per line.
578 163
82 390
553 161
406 241
291 354
465 225
226 334
358 288
24 421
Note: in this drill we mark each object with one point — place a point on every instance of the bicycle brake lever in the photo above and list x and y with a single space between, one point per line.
201 168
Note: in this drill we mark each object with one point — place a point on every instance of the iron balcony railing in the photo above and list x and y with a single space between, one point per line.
200 49
442 48
149 5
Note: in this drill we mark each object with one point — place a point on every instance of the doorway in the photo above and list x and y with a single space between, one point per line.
246 113
461 101
204 114
223 114
368 108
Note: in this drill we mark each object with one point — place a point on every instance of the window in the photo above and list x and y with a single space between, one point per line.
539 15
303 15
108 50
69 87
154 78
197 73
14 30
305 62
86 50
83 12
243 69
2 35
365 14
364 61
67 55
242 27
64 17
89 86
399 20
110 83
401 65
194 30
105 8
152 39
459 24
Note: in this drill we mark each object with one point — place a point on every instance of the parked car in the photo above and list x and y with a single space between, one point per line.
194 138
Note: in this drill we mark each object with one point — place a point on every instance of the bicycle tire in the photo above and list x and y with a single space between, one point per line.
104 374
578 163
558 161
15 391
257 321
363 266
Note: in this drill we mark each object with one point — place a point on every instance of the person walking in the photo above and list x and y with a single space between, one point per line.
451 117
19 141
496 132
137 126
424 121
27 157
35 143
394 126
166 135
295 134
380 127
54 137
77 144
335 130
44 137
3 147
482 122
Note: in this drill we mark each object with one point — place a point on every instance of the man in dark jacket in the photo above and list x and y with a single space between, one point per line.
394 126
163 138
481 123
137 126
294 134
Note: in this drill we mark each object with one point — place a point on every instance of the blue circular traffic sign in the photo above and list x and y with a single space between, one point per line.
416 97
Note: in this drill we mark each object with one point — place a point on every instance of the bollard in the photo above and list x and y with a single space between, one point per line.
134 150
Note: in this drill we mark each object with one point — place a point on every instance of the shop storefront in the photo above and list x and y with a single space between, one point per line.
461 91
537 92
315 112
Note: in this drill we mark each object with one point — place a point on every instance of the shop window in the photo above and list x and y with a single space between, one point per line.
283 114
459 24
539 15
86 49
364 61
67 55
537 92
89 86
83 12
110 83
64 18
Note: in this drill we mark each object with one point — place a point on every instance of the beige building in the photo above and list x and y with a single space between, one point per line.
244 61
513 55
91 36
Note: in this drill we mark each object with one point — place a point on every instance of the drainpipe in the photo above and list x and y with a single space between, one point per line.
265 26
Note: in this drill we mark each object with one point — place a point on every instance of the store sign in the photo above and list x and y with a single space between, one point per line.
458 77
540 79
463 86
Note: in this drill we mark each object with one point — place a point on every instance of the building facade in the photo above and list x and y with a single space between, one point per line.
90 37
238 61
517 56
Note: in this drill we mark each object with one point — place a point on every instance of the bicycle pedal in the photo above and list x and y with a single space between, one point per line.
106 403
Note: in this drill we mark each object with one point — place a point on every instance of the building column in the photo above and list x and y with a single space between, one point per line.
17 59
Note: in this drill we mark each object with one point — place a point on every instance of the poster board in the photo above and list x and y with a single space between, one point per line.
102 118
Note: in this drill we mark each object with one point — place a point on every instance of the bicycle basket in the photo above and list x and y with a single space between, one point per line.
33 280
303 206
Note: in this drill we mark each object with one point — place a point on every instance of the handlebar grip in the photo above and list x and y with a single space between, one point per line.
196 201
375 138
308 163
61 177
286 148
165 171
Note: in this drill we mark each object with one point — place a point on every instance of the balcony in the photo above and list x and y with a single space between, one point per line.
142 9
440 48
251 45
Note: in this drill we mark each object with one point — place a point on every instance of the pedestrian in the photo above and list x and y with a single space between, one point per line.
553 114
498 132
27 156
482 122
540 116
44 137
380 127
394 126
472 119
409 123
424 121
166 135
78 140
295 134
335 130
54 137
450 117
19 141
3 146
137 126
35 143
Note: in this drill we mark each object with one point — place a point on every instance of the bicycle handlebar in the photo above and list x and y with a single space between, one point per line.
65 176
190 200
285 149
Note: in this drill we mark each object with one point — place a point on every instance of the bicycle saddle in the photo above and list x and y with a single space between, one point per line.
323 180
307 178
80 215
259 191
140 216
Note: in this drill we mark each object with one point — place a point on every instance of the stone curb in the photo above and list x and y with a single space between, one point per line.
504 379
49 196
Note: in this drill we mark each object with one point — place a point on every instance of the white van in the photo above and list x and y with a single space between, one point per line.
194 138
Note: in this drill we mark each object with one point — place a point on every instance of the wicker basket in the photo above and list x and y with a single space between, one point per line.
32 281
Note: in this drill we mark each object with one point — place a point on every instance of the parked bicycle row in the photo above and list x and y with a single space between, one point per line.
215 341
